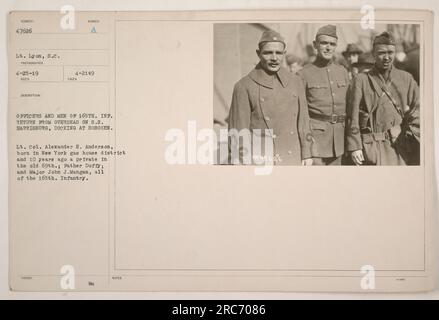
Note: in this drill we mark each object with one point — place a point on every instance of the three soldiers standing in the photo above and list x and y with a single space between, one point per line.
379 109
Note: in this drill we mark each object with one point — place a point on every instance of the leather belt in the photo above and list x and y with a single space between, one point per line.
333 118
375 136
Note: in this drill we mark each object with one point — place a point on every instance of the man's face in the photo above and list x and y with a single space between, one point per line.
384 55
271 55
325 46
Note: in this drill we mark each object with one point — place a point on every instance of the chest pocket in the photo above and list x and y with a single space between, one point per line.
317 91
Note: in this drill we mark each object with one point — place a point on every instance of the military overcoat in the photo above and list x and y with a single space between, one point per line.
376 109
261 101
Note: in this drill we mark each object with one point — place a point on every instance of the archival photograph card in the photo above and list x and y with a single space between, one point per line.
187 151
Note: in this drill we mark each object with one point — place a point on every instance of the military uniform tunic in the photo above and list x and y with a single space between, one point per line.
277 102
376 106
326 87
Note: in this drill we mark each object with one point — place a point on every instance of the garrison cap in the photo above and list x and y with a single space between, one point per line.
271 36
384 38
328 30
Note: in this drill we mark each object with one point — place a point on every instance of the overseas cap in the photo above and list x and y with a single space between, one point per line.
271 36
384 38
328 30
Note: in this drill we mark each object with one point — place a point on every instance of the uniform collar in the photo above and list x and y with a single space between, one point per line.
322 63
375 72
260 76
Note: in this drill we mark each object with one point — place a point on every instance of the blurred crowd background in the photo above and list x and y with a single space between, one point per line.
235 52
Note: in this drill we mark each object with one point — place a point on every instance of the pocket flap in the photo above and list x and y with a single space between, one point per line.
318 86
317 124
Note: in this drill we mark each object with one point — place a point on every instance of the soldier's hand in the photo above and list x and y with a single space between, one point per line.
357 157
307 162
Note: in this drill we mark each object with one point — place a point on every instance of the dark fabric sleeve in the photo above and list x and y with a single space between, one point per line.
353 137
412 118
408 142
240 111
239 119
303 125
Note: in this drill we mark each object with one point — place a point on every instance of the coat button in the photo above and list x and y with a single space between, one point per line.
291 132
262 99
267 118
290 152
274 136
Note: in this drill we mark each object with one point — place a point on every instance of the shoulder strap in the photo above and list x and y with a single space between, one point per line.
375 85
385 90
380 94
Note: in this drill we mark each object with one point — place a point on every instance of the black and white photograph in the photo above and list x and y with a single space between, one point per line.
159 152
318 93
